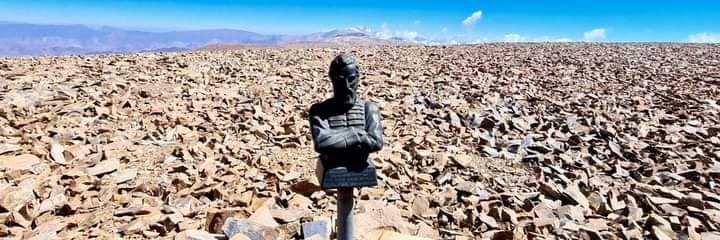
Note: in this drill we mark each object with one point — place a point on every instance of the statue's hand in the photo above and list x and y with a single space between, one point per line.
362 140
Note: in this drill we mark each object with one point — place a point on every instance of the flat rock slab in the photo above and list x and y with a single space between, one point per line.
319 229
249 229
19 162
104 167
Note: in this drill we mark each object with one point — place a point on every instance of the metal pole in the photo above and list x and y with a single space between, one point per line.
344 221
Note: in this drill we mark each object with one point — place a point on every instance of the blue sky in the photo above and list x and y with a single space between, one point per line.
495 20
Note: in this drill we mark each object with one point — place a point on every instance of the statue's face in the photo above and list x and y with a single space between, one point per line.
345 84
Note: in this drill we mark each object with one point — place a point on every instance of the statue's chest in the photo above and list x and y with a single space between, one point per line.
353 118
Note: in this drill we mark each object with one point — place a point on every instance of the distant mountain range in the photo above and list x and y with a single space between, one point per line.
25 39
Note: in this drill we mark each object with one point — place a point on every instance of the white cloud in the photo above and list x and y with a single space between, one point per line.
417 22
704 37
384 32
516 37
408 34
387 33
363 29
551 39
444 36
513 37
480 40
472 19
597 34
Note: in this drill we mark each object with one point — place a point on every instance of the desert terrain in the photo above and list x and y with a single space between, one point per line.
490 141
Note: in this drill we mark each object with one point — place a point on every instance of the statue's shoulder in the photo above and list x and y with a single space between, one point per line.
319 107
371 106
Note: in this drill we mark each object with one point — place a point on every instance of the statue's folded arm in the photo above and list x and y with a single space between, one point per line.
327 140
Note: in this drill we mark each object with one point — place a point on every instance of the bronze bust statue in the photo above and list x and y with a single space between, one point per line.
345 130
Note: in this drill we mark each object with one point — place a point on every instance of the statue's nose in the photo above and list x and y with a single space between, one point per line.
351 81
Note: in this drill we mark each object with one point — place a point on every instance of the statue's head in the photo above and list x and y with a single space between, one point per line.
345 77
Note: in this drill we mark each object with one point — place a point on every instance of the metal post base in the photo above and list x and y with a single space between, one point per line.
344 222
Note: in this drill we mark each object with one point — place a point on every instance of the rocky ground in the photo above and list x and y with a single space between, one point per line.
497 141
